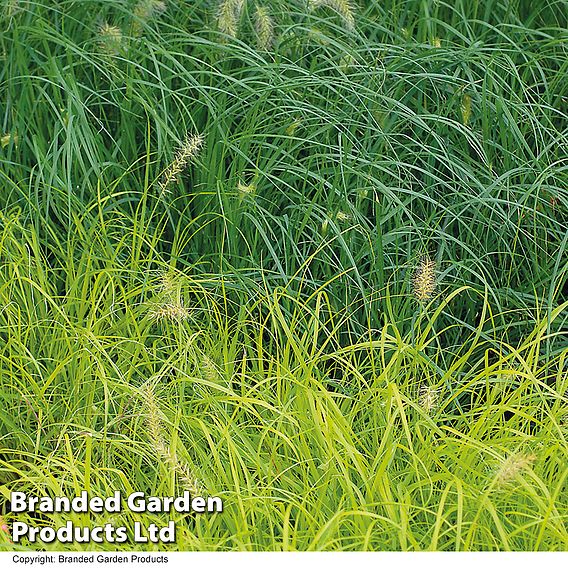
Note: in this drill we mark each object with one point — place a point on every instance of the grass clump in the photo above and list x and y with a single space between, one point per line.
249 318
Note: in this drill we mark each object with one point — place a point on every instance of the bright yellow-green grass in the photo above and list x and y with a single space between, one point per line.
310 258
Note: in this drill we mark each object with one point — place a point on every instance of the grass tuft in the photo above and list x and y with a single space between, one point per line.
245 316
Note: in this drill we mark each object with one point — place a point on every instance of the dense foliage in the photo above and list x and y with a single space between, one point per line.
310 257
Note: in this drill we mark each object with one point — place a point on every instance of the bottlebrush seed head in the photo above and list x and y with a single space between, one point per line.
428 398
185 154
143 12
344 8
228 16
424 281
466 108
173 311
154 423
511 467
110 39
264 28
246 189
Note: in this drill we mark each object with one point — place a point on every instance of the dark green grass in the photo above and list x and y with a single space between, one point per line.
431 128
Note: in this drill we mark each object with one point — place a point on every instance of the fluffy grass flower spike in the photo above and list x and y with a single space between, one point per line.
185 154
228 16
110 39
264 28
424 280
143 12
428 398
344 8
173 311
511 467
154 423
